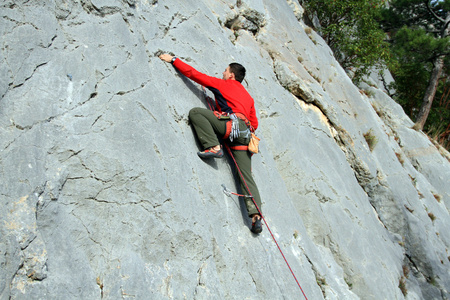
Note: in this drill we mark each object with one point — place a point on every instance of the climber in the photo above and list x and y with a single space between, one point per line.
232 99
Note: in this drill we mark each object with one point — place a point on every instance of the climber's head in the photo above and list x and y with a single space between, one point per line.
234 71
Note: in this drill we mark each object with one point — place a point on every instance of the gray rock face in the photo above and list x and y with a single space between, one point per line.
103 195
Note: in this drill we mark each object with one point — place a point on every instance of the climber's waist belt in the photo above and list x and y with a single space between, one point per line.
232 126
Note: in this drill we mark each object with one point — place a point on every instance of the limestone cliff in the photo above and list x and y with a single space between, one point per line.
103 195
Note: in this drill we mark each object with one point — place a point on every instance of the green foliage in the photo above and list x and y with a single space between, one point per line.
432 216
402 286
352 32
438 125
371 139
417 39
411 48
405 35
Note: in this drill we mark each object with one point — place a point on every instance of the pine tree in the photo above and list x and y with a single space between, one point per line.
419 32
350 29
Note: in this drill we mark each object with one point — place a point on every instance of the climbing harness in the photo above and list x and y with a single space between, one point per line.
232 131
229 193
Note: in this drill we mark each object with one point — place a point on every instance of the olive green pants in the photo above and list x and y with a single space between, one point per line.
207 126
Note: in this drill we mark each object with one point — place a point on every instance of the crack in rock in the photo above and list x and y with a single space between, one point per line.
28 78
100 8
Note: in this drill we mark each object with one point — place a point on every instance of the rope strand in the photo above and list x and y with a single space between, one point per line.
211 105
265 222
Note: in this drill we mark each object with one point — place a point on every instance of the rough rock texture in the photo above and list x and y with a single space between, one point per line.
103 195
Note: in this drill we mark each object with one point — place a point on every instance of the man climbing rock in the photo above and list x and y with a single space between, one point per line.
233 119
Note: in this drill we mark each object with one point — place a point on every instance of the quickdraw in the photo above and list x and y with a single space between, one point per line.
229 193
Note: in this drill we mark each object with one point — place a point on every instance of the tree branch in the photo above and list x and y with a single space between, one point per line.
446 25
427 2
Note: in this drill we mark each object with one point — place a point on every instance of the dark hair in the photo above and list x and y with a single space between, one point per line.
238 70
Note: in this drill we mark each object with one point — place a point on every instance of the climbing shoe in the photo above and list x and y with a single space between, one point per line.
211 153
256 226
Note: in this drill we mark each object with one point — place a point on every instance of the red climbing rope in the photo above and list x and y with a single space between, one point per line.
211 107
265 222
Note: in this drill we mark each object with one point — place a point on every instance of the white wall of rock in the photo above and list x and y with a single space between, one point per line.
103 195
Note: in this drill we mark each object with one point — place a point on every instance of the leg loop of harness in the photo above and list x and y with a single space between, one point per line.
239 147
228 130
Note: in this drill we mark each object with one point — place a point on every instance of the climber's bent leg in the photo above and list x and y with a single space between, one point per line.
207 126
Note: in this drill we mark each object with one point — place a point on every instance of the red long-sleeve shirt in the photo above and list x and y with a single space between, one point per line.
231 96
